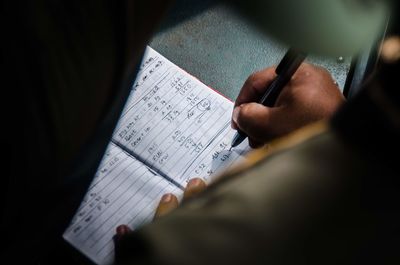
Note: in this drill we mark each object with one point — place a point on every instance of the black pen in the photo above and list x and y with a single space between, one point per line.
284 72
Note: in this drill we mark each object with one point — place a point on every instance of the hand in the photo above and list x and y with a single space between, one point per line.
168 203
311 95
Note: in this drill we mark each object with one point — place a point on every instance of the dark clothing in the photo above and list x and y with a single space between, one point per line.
68 69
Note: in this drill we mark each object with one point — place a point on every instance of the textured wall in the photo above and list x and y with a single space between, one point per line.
211 42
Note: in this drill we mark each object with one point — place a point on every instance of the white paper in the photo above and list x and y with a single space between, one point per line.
172 129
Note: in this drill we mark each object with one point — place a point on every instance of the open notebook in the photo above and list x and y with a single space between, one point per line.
173 128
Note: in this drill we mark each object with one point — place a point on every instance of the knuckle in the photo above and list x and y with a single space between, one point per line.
304 67
313 71
256 76
322 70
251 80
308 67
319 70
245 112
250 115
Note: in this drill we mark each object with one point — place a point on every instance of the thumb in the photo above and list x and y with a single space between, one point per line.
259 122
122 246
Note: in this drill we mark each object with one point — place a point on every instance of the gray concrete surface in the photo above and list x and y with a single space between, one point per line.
210 41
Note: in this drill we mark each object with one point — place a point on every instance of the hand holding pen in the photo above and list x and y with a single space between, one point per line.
309 96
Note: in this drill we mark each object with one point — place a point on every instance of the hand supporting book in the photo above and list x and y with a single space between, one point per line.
167 204
173 128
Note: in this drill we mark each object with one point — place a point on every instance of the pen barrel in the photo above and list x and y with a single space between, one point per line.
239 137
272 93
285 70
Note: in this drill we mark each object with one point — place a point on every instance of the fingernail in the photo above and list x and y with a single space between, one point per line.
235 114
122 230
194 182
166 198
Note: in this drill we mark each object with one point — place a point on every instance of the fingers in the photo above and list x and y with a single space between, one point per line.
254 88
118 238
168 203
260 123
193 188
311 95
122 230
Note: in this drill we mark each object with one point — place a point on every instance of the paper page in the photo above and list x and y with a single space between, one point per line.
173 128
175 124
124 191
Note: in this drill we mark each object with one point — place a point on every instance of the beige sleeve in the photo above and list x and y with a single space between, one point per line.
292 207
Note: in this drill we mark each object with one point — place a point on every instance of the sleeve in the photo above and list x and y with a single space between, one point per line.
285 209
